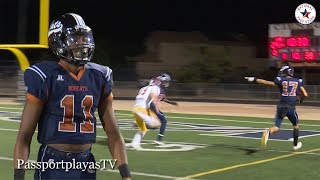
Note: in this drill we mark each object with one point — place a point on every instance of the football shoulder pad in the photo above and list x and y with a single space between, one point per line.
105 70
41 70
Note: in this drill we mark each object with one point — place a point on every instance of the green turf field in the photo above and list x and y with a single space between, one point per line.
197 147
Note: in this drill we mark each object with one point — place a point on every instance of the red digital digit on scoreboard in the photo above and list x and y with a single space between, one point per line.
297 48
294 42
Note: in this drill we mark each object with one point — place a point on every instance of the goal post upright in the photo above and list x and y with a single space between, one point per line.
43 37
16 49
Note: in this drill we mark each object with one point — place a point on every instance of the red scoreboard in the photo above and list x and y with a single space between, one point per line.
294 42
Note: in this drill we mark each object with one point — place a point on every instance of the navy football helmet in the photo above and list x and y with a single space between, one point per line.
286 71
71 39
165 79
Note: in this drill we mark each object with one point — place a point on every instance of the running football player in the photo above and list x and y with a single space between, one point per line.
146 109
289 88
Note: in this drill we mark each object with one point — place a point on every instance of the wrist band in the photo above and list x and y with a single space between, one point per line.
124 170
19 174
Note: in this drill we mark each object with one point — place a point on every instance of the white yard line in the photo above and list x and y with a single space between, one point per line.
226 135
199 128
271 150
211 119
4 129
235 133
184 143
311 135
201 118
226 120
104 137
16 108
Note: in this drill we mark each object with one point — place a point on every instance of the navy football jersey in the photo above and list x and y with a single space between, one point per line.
69 100
289 89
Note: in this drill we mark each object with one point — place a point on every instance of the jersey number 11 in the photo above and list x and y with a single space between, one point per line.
67 125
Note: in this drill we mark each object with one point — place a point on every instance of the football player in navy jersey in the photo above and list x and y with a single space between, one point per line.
62 97
289 88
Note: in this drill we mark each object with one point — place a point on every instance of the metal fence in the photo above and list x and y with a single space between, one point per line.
12 85
8 80
207 91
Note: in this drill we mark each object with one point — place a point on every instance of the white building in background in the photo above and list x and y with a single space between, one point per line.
167 51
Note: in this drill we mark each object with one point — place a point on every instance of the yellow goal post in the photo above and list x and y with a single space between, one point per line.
43 37
43 44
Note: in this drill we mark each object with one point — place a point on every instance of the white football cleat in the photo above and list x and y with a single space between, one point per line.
265 137
298 146
136 146
158 142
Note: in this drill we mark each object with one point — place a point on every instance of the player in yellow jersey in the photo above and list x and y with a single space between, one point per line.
145 117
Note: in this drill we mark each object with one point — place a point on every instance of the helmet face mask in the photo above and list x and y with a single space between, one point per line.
165 80
80 46
162 81
286 71
71 39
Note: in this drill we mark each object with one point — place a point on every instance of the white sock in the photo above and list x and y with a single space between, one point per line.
138 137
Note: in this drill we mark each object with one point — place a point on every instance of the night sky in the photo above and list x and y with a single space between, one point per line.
129 21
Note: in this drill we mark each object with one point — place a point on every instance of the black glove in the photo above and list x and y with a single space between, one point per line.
300 100
171 102
300 97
